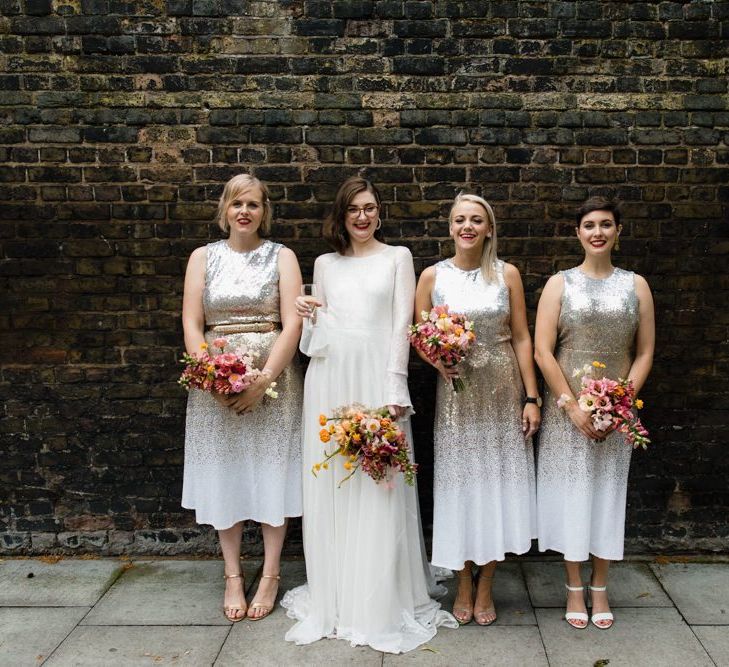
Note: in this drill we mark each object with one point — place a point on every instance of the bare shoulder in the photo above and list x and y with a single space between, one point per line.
553 287
641 283
198 258
427 277
286 254
511 272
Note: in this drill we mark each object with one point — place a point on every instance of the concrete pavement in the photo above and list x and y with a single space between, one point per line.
168 612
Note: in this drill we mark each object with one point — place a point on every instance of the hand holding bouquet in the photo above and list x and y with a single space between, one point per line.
368 439
610 403
443 337
224 373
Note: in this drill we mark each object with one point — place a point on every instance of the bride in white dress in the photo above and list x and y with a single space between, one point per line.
368 578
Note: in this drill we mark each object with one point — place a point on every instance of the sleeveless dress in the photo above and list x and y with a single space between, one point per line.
244 466
581 484
368 580
484 488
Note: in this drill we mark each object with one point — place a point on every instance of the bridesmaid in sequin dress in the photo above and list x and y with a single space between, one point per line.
242 452
594 311
484 495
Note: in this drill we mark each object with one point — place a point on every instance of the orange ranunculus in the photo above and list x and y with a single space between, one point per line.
324 435
619 391
322 420
356 437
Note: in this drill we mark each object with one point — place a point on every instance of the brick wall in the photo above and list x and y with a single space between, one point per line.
121 119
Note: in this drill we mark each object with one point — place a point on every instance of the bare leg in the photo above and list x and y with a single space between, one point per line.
463 604
600 604
265 597
484 610
235 599
575 599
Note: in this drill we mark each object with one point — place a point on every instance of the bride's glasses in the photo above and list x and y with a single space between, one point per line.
370 210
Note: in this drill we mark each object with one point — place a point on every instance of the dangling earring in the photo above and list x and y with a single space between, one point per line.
379 223
617 243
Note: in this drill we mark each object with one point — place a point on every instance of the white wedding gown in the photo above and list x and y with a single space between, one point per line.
368 577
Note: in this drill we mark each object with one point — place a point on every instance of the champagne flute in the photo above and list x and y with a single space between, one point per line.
310 293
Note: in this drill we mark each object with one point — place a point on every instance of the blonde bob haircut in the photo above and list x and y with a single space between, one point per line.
488 254
233 188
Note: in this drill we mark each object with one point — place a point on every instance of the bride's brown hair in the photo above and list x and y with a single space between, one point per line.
334 231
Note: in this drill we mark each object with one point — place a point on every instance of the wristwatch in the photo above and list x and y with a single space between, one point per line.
537 400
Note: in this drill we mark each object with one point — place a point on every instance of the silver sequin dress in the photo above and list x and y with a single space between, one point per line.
484 493
581 484
244 466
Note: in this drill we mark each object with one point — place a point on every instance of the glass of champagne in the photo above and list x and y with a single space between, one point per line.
310 293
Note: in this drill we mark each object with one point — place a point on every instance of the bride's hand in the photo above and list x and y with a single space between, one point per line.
397 411
306 306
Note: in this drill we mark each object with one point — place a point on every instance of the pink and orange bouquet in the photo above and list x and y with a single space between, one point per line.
222 373
443 336
367 439
610 403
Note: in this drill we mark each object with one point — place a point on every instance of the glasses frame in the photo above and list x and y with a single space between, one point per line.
354 211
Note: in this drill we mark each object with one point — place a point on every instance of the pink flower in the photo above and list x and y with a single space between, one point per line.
220 343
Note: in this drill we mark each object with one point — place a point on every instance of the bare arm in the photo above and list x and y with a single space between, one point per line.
284 348
424 302
645 338
193 315
521 341
545 340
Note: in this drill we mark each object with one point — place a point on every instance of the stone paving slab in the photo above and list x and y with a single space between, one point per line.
29 634
167 592
639 638
262 642
510 595
630 585
67 583
715 640
699 590
505 646
97 646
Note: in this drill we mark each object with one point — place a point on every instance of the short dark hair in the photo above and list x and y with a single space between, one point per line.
598 204
334 230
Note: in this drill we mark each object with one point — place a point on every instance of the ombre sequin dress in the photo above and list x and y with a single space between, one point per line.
581 484
484 469
244 466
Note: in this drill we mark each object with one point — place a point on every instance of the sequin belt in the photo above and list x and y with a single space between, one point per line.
250 327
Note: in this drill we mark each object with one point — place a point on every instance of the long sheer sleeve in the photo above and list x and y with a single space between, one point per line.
314 340
403 297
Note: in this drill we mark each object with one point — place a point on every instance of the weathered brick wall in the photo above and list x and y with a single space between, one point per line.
122 118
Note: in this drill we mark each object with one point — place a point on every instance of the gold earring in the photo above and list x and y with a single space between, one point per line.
617 243
379 223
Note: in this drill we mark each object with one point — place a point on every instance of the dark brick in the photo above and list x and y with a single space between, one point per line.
419 65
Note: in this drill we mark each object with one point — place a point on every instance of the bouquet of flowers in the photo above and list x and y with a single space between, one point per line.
610 403
223 373
443 336
367 439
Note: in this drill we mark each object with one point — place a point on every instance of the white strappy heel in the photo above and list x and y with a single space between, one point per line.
574 617
603 615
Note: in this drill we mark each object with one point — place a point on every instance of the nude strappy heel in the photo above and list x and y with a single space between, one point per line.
233 608
267 609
